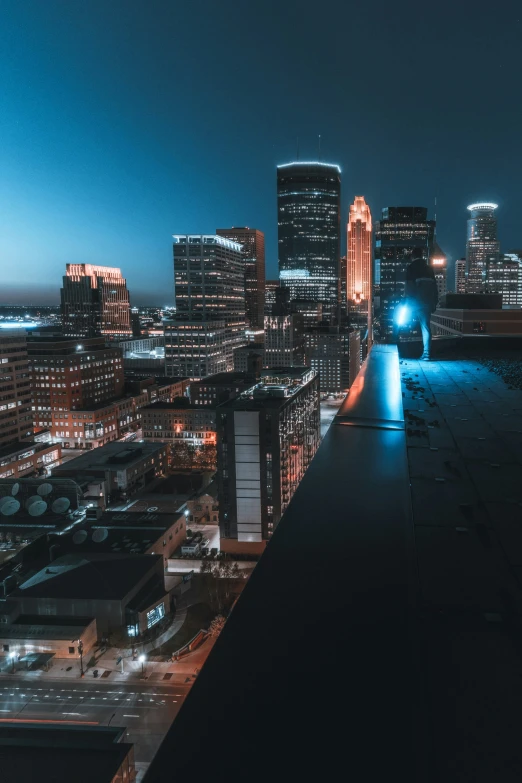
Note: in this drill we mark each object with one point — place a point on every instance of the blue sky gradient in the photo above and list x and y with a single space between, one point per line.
125 122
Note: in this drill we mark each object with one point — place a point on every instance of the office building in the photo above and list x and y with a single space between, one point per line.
359 257
284 340
215 389
267 438
169 422
439 262
504 276
249 358
252 243
460 276
482 245
95 301
20 455
328 351
271 287
67 375
309 221
402 233
210 306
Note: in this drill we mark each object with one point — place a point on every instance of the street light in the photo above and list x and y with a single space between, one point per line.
141 659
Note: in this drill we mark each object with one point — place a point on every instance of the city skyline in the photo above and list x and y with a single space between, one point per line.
98 169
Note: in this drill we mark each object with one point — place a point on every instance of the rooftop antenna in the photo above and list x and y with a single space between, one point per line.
435 229
319 148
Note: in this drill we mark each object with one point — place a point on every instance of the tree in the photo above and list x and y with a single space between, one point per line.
216 626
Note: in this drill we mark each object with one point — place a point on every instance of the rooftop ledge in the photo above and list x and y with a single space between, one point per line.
380 631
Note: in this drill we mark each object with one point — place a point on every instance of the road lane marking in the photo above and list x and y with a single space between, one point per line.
125 716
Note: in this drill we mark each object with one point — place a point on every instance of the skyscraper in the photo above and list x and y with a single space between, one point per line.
309 220
439 262
402 233
210 306
359 260
284 340
460 276
505 277
482 246
253 251
271 286
95 302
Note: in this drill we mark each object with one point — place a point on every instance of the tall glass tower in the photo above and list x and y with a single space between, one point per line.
482 246
309 226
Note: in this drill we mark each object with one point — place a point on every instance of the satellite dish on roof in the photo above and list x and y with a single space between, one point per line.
7 503
152 508
80 536
15 488
61 505
33 499
100 534
45 489
10 507
37 508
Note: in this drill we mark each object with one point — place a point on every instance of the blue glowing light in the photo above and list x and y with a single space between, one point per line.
402 314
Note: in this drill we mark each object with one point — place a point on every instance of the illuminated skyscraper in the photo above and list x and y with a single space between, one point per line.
252 242
210 306
439 262
460 276
309 220
271 286
359 259
403 233
95 302
505 277
482 246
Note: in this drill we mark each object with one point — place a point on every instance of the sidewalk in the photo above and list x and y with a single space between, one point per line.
182 671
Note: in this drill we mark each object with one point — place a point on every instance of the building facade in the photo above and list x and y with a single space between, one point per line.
460 276
482 246
67 376
252 242
439 262
327 352
95 301
284 340
505 277
309 221
192 424
215 389
402 233
210 306
267 438
20 455
271 287
359 256
245 357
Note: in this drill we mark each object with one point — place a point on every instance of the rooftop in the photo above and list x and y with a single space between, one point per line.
89 576
110 456
392 643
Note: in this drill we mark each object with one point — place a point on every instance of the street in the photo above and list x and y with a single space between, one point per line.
146 711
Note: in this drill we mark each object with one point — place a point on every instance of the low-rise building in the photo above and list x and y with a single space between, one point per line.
32 635
475 314
124 467
215 389
120 591
192 424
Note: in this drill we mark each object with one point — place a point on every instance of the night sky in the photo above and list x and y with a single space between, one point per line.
125 122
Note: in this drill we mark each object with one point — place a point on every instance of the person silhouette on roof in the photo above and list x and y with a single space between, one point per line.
422 294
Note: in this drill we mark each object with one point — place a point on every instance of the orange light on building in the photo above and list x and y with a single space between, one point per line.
359 252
